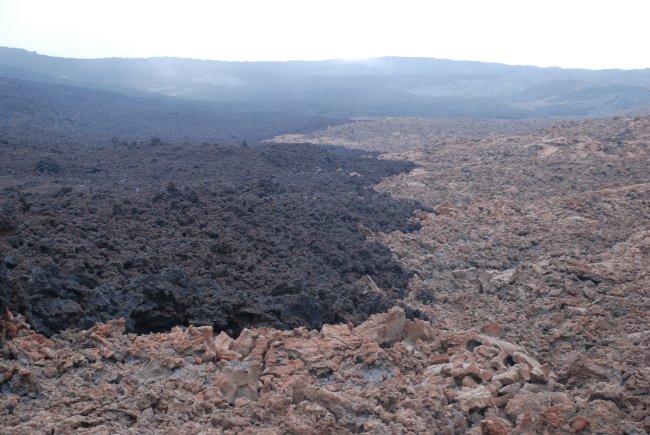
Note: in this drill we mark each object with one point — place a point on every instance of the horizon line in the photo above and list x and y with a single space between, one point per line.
332 59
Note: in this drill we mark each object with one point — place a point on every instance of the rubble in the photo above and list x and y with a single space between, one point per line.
527 305
539 238
381 376
166 234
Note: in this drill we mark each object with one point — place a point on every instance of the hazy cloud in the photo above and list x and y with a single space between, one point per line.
577 33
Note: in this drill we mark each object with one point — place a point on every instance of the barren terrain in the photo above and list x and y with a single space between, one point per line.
227 236
517 260
546 233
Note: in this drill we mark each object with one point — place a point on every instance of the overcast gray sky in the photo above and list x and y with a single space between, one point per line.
568 33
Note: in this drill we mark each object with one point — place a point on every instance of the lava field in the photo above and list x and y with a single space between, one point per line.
227 236
459 284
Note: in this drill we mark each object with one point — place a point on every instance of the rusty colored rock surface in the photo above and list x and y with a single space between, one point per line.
541 238
382 376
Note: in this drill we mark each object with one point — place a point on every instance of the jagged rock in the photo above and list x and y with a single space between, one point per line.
552 216
550 259
239 379
55 298
384 328
380 376
272 240
493 329
475 399
494 427
222 347
507 378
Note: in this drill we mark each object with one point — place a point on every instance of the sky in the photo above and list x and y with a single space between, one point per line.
566 33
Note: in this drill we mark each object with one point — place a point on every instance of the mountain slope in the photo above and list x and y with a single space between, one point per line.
340 88
45 111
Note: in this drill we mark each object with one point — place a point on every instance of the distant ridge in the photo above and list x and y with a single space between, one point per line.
47 112
390 86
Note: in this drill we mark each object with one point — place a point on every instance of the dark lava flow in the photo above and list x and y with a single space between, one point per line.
167 235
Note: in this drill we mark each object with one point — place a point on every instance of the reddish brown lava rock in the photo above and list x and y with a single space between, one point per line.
544 232
579 424
378 377
493 328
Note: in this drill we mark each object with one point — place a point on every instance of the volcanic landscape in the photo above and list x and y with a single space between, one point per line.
386 275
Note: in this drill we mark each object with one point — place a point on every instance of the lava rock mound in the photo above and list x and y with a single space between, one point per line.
231 237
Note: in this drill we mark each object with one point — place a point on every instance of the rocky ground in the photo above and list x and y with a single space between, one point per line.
405 134
166 235
387 375
545 233
521 274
